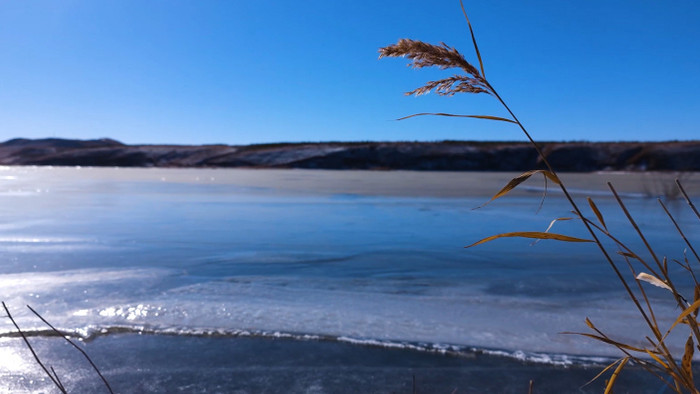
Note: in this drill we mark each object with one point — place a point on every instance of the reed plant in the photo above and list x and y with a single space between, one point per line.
673 368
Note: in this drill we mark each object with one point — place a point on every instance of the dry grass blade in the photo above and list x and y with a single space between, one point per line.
489 117
554 221
691 309
551 224
471 31
606 369
653 280
633 222
423 54
520 179
604 338
597 213
687 199
31 349
104 380
686 362
658 360
609 341
680 231
530 234
630 255
615 374
58 380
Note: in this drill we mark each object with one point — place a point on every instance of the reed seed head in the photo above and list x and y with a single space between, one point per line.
442 56
450 86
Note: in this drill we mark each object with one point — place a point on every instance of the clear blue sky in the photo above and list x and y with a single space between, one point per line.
237 72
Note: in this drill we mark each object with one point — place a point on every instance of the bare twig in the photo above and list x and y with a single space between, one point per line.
687 199
31 349
104 380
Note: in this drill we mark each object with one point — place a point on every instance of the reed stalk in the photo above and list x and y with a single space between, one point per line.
674 371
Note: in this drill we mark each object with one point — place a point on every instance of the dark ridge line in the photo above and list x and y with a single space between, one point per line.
447 155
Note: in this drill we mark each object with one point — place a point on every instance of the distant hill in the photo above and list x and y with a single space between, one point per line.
433 156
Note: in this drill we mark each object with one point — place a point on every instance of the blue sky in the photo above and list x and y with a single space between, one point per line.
238 72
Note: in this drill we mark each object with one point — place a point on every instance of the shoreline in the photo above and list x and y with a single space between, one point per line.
152 363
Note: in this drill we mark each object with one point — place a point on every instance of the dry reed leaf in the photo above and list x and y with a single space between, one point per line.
609 341
459 116
520 179
653 280
696 296
686 361
658 360
531 234
626 254
589 323
554 221
550 227
615 374
471 31
614 363
691 309
597 212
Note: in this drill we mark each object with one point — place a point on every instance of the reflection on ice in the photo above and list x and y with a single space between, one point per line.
42 282
13 359
129 313
40 240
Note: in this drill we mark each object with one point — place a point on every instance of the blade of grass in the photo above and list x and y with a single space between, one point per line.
476 47
692 308
597 213
687 360
606 369
678 228
531 234
687 199
488 117
513 183
551 224
609 341
615 374
651 279
58 380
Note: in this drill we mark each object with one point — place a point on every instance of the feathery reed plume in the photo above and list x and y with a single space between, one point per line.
442 56
450 86
428 55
